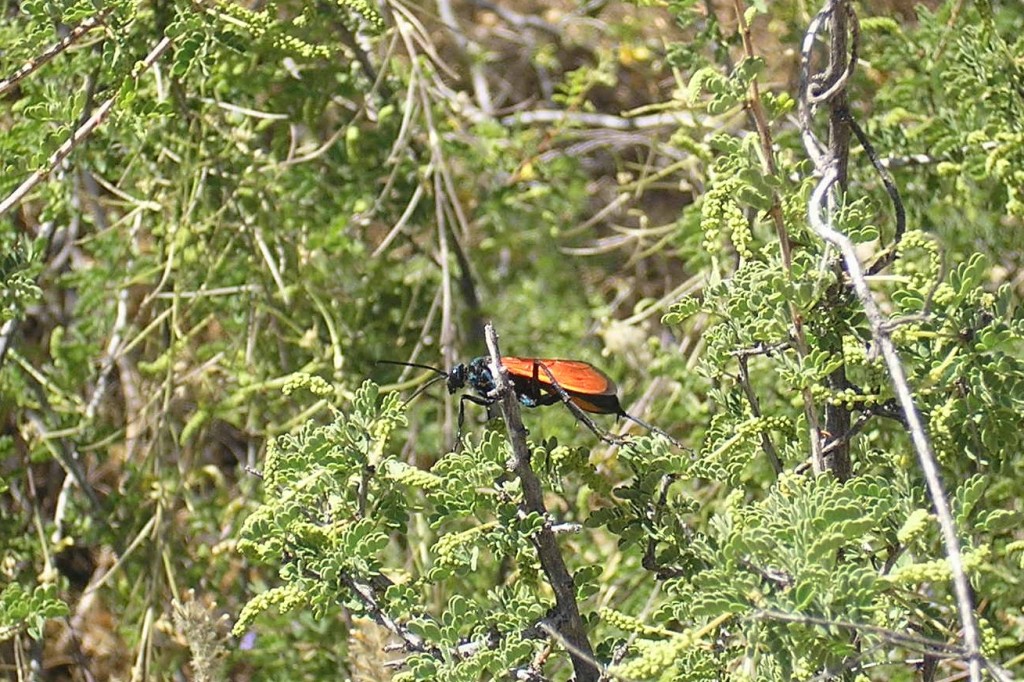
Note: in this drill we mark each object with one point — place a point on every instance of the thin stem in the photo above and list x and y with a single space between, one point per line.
29 67
69 145
926 457
566 621
778 220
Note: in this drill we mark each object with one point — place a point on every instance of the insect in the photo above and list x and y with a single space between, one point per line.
537 382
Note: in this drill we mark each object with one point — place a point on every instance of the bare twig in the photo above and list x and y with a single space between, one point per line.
116 333
447 321
413 29
829 87
569 623
7 332
831 164
932 646
805 109
885 410
765 137
922 446
755 410
49 53
268 258
760 349
83 131
414 201
448 210
86 129
521 21
467 283
835 85
472 51
589 119
799 337
365 594
889 255
64 450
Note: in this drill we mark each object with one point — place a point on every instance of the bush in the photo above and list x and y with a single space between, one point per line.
260 201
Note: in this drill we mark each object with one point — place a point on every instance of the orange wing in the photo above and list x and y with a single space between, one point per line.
575 376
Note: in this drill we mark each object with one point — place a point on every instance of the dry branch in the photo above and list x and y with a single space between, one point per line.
566 619
83 131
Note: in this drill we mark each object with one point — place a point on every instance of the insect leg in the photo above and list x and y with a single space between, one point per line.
462 411
574 408
536 392
654 429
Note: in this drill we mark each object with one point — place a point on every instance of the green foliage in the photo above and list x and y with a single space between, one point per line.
334 495
28 611
792 552
293 190
976 151
312 528
19 267
724 92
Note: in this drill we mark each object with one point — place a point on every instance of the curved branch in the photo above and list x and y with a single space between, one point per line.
929 467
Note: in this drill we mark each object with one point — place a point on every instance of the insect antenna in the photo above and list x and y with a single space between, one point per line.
424 387
412 364
441 375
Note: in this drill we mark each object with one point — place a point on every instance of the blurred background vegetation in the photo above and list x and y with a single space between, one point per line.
276 191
